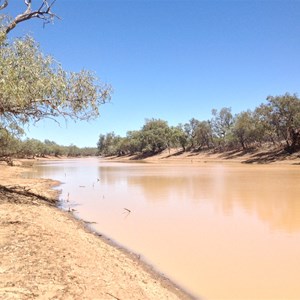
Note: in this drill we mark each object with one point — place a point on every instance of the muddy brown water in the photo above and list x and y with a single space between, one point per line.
222 231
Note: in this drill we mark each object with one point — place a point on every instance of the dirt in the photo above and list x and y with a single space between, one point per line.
48 254
264 155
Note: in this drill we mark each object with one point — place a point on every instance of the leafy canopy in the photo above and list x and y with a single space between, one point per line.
34 86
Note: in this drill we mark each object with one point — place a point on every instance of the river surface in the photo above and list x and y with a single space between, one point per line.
222 231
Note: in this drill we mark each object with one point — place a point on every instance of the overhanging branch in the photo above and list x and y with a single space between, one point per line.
44 12
2 6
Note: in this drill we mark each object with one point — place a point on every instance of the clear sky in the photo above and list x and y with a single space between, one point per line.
172 60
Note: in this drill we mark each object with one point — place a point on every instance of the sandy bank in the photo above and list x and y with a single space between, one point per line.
47 254
175 156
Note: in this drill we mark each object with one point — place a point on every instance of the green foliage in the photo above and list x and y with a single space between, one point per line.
275 121
34 86
178 137
133 142
190 131
9 145
73 151
222 122
204 135
285 116
244 128
109 144
266 131
88 151
155 136
32 148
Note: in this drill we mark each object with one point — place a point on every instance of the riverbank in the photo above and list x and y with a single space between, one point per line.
267 155
47 254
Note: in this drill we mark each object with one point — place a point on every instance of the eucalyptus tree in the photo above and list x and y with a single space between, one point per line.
88 151
133 142
52 148
265 129
108 144
9 144
221 123
285 117
73 151
244 128
179 137
190 130
155 135
204 135
34 86
31 148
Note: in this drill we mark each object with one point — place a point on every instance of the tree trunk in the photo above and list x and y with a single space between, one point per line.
294 135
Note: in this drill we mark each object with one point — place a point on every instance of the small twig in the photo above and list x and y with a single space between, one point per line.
89 222
113 296
4 4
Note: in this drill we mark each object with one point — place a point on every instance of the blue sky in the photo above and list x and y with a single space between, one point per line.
173 60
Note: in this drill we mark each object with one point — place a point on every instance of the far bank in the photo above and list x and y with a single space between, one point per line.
267 155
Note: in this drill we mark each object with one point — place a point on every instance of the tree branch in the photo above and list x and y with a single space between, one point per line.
28 3
44 12
2 6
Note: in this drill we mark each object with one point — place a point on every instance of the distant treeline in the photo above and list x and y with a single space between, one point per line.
276 122
30 148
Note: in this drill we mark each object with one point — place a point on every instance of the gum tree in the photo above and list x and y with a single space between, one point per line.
285 118
204 135
33 86
190 129
244 129
221 123
155 135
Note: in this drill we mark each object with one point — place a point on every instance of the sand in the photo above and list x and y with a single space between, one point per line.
265 155
48 254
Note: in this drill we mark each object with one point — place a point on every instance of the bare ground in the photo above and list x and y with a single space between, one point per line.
47 254
264 155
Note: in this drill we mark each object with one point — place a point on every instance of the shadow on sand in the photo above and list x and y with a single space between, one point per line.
268 157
